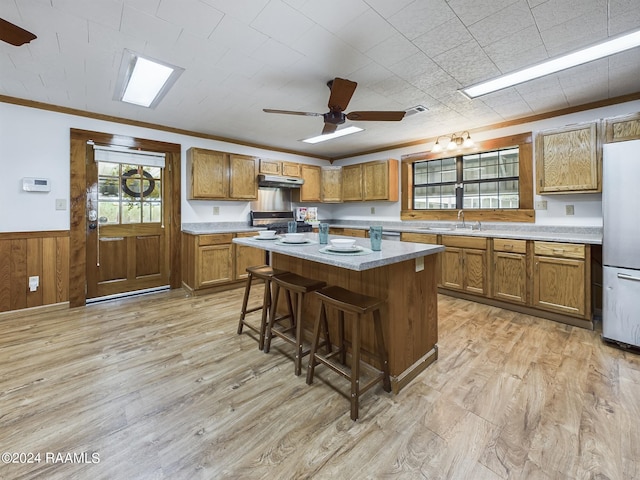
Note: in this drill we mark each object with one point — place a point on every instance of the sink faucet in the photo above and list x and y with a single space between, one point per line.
461 215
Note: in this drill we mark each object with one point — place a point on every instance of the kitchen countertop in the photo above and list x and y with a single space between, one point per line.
549 233
392 252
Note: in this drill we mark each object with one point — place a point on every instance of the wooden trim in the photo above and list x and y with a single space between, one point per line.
25 235
78 248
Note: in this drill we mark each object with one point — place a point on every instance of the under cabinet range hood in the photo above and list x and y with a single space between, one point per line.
277 181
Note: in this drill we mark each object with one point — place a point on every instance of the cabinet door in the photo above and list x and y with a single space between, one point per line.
380 180
559 285
270 167
352 183
310 190
209 174
290 169
510 277
331 184
214 265
243 184
568 160
451 264
474 271
247 256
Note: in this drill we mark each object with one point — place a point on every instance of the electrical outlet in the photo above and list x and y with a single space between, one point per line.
373 210
541 205
569 210
34 282
61 203
216 210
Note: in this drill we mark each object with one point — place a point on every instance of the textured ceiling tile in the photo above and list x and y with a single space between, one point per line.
624 15
246 10
392 50
149 28
387 8
505 23
475 68
334 15
281 22
472 11
194 16
556 12
523 48
237 36
451 34
575 33
106 12
421 17
366 31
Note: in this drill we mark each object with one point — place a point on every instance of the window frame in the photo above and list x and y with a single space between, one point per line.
525 213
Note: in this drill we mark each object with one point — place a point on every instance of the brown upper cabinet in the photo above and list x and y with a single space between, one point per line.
331 191
310 190
270 167
380 180
352 183
621 129
221 176
290 169
569 160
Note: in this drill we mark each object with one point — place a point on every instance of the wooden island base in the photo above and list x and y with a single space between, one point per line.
409 317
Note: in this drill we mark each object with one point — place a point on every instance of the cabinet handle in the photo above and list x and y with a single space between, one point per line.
508 247
558 250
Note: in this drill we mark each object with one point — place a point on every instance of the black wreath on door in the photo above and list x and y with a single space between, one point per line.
127 176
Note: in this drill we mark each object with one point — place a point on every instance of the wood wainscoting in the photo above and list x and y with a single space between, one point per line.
28 254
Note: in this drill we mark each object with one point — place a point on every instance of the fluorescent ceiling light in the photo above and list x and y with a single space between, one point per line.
595 52
338 133
144 81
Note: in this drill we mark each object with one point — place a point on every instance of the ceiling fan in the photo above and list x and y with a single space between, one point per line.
341 93
13 34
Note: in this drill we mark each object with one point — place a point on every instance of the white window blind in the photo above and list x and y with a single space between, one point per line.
124 155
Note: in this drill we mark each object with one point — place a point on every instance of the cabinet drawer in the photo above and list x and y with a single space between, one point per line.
509 245
478 243
246 234
214 239
419 237
554 249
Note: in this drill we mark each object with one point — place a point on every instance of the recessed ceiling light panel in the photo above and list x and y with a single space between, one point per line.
144 81
338 133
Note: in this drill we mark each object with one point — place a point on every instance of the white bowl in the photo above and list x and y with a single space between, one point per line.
343 243
267 233
293 237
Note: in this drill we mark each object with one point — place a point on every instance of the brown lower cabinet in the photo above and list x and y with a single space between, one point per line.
549 279
349 232
212 261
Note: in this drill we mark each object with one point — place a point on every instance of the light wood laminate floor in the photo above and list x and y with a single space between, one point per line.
162 387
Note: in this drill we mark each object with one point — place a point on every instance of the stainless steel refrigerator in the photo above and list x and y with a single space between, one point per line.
621 242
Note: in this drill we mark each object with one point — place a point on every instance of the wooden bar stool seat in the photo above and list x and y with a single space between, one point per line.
358 305
265 273
294 286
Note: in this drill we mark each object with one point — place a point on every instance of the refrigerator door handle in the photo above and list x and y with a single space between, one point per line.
628 277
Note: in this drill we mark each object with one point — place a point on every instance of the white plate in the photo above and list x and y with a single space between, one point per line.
352 248
284 240
258 237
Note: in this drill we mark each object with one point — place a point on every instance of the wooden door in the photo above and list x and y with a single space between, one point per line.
127 211
559 285
331 184
352 183
510 277
243 182
208 174
451 260
474 271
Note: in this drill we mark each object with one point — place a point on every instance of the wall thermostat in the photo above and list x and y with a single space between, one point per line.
32 184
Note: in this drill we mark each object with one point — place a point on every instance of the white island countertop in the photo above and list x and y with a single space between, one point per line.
392 252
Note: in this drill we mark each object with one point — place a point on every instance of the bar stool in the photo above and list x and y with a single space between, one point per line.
346 301
299 286
265 273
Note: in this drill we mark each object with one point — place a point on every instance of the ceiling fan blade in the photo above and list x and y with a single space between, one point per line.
13 34
329 128
384 116
341 93
289 112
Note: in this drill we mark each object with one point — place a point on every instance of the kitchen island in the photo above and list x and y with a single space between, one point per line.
402 273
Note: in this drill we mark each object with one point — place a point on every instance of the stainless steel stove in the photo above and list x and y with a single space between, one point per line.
277 221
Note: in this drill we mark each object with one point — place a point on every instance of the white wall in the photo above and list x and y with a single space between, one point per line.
587 206
35 143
